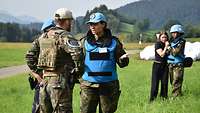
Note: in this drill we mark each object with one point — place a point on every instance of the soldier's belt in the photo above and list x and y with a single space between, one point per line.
175 65
85 83
157 62
51 74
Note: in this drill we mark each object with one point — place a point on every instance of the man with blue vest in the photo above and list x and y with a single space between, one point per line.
176 59
99 83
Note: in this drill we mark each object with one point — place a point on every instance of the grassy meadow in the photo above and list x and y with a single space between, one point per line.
193 39
136 46
125 27
13 53
16 96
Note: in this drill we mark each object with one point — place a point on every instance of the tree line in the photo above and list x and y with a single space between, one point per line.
13 32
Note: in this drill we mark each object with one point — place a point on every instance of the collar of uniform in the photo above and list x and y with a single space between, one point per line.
103 41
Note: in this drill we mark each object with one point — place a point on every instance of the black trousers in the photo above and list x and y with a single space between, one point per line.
159 73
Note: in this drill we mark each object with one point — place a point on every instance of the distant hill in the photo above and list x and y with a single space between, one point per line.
28 19
6 17
115 22
160 11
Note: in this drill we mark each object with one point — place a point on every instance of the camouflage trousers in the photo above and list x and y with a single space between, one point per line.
106 95
176 73
56 95
35 105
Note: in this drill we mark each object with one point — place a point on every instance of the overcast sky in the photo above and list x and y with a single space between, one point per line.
43 9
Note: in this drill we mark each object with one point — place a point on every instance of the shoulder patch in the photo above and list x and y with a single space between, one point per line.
73 42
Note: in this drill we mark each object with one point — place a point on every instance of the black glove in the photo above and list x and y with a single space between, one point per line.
32 82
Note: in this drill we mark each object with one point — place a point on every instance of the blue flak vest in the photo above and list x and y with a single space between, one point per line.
178 58
100 63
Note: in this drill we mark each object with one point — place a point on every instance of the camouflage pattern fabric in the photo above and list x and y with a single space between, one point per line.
48 51
176 78
32 60
32 55
176 71
107 95
59 69
35 106
56 95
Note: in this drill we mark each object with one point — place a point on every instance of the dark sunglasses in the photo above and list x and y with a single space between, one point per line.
93 24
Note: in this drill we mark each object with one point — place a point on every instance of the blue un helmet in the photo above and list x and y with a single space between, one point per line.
177 28
47 24
96 17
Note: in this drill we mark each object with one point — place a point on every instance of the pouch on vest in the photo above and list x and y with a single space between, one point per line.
48 51
188 61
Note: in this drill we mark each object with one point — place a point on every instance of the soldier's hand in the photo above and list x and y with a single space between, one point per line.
74 70
42 83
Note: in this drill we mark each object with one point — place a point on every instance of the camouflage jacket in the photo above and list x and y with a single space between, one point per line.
179 46
32 55
69 55
57 49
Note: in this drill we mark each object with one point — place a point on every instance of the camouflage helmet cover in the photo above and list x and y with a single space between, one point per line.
63 13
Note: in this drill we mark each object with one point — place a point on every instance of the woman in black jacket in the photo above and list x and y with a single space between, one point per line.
160 68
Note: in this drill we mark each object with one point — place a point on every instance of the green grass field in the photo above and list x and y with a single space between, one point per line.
130 46
13 53
16 96
193 39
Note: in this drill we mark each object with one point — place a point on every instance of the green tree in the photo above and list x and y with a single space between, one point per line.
13 32
144 25
169 23
112 20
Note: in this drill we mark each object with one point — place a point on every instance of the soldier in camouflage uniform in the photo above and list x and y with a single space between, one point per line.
59 58
176 59
32 60
99 83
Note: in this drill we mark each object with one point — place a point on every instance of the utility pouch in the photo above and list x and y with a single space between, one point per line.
188 61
